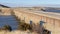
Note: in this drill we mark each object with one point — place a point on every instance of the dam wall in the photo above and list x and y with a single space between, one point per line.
51 20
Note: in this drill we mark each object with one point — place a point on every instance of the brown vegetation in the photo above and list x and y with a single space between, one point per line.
6 28
24 26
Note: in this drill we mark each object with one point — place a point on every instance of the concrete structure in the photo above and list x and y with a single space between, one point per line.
52 20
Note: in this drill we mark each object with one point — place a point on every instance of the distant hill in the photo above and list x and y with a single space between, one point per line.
4 6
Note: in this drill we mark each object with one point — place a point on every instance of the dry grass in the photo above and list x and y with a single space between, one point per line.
17 32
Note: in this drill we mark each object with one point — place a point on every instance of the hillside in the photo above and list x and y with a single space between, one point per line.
4 6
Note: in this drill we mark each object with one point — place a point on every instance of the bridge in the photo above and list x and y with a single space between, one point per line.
51 20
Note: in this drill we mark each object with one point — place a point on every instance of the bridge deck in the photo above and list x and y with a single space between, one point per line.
47 14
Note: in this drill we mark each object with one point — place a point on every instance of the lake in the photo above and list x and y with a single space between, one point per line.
10 20
53 10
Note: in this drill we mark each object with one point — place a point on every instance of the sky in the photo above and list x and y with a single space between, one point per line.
16 3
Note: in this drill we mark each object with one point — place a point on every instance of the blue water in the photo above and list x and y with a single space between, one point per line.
8 20
53 10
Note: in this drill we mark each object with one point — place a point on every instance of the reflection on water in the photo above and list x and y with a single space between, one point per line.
10 20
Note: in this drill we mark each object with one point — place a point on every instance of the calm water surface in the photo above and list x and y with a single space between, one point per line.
53 10
10 20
